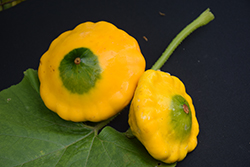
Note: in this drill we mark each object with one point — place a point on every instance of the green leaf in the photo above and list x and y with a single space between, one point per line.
6 4
32 135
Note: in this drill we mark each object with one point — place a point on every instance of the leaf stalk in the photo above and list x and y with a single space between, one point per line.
102 124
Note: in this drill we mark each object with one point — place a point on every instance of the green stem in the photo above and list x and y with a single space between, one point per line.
100 125
202 20
129 133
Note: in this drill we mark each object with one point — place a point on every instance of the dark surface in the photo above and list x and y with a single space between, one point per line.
213 62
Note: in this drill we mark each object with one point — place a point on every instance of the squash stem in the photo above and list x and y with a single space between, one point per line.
202 20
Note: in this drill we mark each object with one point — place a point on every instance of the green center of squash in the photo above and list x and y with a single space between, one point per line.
79 70
181 117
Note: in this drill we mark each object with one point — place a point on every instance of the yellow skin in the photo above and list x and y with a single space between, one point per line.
121 65
149 117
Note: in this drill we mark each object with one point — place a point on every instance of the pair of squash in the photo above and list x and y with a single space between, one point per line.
92 72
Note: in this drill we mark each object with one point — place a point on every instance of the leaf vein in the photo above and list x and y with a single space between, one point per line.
91 145
119 146
32 138
64 147
35 116
60 157
107 153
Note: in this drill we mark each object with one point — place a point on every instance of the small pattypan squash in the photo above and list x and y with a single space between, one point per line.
90 73
162 117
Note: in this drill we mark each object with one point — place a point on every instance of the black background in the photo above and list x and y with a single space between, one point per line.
213 62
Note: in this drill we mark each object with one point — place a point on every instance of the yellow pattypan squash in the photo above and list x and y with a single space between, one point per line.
162 117
90 73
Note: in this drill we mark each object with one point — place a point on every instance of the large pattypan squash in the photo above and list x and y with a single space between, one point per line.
90 73
162 117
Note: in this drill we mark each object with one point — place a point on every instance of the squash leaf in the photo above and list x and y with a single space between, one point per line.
32 135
